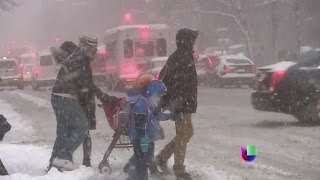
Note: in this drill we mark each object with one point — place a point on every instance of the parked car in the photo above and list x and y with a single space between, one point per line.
10 73
45 71
26 63
232 70
155 65
204 69
288 87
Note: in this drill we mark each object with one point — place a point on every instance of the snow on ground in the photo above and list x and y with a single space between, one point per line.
28 159
36 100
21 129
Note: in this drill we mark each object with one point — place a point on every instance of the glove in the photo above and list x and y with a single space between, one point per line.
144 144
176 116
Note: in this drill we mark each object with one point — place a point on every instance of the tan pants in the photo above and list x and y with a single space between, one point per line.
178 146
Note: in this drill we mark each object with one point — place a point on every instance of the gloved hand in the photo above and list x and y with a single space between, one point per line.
144 144
113 101
176 116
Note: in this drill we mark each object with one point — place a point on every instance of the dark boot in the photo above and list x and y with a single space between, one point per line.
87 145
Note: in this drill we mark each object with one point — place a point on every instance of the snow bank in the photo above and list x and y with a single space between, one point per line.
21 129
29 162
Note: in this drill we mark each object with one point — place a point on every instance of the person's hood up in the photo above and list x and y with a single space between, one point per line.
185 38
155 88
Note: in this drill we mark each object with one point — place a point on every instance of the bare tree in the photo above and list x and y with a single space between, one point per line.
7 5
238 13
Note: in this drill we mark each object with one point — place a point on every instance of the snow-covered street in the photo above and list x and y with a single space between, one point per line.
225 122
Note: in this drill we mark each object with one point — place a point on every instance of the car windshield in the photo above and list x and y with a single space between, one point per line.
238 61
46 61
28 60
7 65
144 49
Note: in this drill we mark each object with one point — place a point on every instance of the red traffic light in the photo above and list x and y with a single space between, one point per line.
128 17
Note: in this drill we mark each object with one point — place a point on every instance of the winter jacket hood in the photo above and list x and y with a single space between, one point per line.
185 38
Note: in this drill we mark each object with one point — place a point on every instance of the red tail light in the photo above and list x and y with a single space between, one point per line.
276 78
254 69
21 66
110 68
129 68
227 70
36 71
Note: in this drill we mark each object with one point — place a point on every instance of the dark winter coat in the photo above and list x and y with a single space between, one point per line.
75 77
180 76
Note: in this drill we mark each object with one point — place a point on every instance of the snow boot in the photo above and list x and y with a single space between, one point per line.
127 167
86 162
163 165
63 164
154 171
183 176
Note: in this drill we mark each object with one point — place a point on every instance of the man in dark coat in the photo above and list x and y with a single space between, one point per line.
4 128
180 77
74 85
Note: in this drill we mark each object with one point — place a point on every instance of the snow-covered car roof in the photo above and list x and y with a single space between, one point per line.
133 27
7 59
159 59
235 57
283 65
45 52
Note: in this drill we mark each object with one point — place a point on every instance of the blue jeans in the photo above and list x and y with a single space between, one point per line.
72 126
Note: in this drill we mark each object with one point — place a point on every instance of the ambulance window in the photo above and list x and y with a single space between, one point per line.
144 49
128 48
161 47
111 49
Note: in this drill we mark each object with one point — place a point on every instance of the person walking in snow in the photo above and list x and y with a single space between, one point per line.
144 128
180 77
74 83
4 128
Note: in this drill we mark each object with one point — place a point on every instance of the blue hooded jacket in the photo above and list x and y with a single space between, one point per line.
145 105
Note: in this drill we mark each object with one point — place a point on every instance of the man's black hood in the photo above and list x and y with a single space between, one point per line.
185 38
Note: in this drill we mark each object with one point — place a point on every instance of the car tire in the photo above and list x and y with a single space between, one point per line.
20 85
310 113
220 83
35 86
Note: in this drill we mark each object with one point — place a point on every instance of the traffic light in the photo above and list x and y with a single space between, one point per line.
127 18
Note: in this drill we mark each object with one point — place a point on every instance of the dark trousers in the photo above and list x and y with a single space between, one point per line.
72 126
3 170
152 161
142 160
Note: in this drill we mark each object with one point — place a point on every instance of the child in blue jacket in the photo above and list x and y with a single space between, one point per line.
145 127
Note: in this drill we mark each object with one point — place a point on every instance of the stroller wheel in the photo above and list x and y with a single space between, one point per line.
105 168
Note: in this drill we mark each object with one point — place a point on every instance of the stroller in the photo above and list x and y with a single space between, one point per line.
118 120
